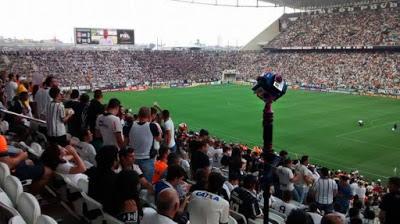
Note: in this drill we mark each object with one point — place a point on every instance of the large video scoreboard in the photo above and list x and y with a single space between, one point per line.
101 36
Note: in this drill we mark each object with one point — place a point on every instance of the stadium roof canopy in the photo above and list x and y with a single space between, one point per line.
314 4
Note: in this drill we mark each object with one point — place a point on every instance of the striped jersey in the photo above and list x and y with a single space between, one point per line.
55 114
245 202
324 189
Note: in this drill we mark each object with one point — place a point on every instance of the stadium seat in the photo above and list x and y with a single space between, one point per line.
28 207
261 221
7 213
92 209
36 148
277 213
36 152
13 188
5 199
4 172
232 220
276 218
16 220
239 217
252 221
44 219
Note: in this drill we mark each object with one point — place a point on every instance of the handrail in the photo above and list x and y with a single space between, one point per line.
23 116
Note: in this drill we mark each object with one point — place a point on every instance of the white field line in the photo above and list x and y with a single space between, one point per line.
361 129
369 143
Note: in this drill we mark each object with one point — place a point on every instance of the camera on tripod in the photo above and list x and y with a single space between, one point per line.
270 87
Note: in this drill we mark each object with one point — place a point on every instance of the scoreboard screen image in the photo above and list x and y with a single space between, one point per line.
99 36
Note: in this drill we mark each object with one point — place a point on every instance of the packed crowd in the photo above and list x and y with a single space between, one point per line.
365 71
361 28
192 176
121 67
351 71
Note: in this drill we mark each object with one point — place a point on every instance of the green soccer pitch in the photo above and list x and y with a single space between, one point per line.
321 125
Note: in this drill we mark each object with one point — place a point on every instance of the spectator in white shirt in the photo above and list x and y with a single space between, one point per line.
42 97
314 172
11 87
109 126
286 178
353 186
361 191
63 160
231 183
85 149
325 189
207 207
127 162
56 118
167 208
284 206
169 136
141 139
305 178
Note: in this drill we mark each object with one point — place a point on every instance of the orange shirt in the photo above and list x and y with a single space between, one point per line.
159 169
3 146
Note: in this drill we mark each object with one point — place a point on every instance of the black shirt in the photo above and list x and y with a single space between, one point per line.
95 108
245 202
102 188
199 160
78 121
225 160
71 104
391 205
16 107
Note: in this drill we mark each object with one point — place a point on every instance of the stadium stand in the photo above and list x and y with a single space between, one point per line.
355 71
365 28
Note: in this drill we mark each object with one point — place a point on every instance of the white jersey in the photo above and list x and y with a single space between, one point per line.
283 207
285 175
215 155
141 139
361 191
324 189
54 119
303 171
109 125
353 187
208 208
169 126
228 188
156 144
155 218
